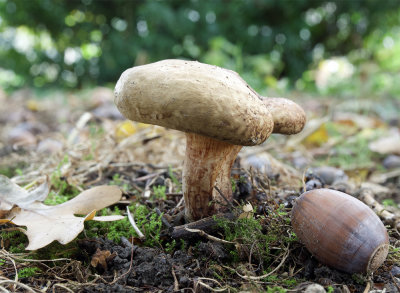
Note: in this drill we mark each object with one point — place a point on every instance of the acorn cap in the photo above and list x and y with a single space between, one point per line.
194 97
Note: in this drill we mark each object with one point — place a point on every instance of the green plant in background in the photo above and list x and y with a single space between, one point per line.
117 180
60 185
174 179
159 192
389 202
74 44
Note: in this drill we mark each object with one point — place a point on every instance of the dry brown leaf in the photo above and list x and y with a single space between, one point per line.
43 223
11 194
247 212
101 257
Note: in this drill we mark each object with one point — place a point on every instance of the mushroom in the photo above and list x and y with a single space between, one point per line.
218 111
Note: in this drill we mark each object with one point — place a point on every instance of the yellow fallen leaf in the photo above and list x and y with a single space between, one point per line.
125 129
318 137
32 105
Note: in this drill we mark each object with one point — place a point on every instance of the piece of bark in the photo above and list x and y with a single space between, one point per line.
207 225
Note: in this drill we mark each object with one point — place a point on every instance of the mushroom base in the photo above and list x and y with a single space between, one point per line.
208 163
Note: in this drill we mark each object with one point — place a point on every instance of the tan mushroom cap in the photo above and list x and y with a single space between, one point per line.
194 97
289 118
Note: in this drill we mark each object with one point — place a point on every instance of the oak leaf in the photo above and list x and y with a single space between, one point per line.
44 223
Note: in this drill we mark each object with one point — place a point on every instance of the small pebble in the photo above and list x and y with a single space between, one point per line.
49 146
314 288
330 174
108 111
313 184
395 271
259 163
21 137
391 162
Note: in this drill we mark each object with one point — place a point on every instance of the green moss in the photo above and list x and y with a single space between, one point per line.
148 222
291 283
16 241
275 290
259 234
7 171
330 289
393 255
55 199
170 246
359 279
11 171
28 272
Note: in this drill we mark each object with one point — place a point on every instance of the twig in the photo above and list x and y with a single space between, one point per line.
63 287
368 286
163 219
303 181
146 177
367 196
29 289
223 196
395 282
208 236
83 120
126 242
270 273
208 224
176 284
208 286
133 223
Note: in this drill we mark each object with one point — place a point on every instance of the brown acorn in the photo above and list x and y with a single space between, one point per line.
340 231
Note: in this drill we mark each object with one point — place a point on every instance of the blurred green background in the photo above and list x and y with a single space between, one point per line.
345 47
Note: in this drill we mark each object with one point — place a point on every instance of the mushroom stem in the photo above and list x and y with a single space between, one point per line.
208 163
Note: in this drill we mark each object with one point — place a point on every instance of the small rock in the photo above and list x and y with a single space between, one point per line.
184 281
330 174
345 289
259 163
391 162
21 137
389 144
314 288
313 184
376 188
49 146
109 111
299 161
395 271
101 96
